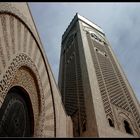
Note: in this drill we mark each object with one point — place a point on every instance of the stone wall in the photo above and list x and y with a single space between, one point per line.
23 63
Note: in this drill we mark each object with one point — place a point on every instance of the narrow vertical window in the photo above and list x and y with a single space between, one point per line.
111 122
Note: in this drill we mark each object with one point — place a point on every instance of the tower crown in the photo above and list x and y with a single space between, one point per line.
83 19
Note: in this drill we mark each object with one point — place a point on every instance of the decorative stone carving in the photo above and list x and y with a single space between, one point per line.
15 55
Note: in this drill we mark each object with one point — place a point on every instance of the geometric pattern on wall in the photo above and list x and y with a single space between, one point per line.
19 47
111 84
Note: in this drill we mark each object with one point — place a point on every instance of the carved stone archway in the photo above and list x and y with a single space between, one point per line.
23 64
16 114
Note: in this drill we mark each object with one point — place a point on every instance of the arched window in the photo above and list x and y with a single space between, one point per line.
127 127
110 122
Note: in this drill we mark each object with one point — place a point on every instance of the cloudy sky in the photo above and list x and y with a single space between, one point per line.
120 22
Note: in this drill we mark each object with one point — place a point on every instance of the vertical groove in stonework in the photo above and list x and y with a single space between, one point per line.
28 42
4 28
45 81
35 52
43 75
39 62
12 33
41 68
19 34
36 58
15 35
42 72
30 45
31 53
9 37
2 58
25 39
22 38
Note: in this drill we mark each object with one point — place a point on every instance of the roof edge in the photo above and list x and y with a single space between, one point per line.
83 19
90 23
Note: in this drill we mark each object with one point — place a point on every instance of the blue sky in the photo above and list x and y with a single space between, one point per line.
120 22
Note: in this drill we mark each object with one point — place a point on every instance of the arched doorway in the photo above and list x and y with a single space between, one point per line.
16 115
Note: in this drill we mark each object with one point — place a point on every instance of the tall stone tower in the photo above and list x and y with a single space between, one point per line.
94 88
